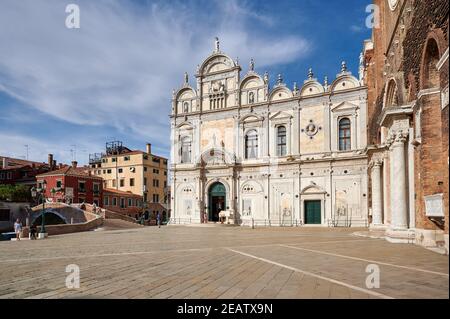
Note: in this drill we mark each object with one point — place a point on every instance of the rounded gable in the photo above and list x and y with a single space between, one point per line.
344 82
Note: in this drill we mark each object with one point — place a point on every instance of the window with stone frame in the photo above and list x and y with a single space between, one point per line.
251 97
251 145
344 134
185 150
281 141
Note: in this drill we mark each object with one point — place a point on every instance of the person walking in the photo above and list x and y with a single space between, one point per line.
18 228
158 219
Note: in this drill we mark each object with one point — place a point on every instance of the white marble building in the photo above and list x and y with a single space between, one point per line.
268 155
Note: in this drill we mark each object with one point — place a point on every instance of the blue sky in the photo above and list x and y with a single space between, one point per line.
74 89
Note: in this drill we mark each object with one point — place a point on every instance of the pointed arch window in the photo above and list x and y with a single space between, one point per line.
251 145
344 135
281 141
185 150
185 107
251 98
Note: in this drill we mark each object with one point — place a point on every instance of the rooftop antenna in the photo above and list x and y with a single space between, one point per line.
26 147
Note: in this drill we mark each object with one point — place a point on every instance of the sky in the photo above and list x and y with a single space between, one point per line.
69 91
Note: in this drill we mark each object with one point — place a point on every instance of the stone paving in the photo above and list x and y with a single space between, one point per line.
220 262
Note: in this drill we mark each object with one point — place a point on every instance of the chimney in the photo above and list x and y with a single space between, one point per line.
149 148
4 162
74 164
50 161
54 164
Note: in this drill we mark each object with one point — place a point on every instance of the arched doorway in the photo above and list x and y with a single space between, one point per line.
216 201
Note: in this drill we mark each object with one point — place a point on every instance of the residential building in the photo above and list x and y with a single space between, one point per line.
268 155
139 172
406 71
14 171
72 184
122 202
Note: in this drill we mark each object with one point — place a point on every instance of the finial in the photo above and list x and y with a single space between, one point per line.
295 87
266 77
237 60
310 74
173 92
343 67
217 45
325 82
186 78
279 79
252 65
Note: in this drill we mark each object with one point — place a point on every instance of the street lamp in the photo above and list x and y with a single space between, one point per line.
39 194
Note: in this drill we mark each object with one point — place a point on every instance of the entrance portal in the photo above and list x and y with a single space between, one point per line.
216 201
313 212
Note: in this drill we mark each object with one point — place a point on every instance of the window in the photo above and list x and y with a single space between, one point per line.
251 98
145 169
165 184
96 188
105 160
114 201
131 181
113 183
145 181
185 107
156 160
106 201
81 200
185 150
130 202
122 182
344 135
120 170
126 158
58 184
251 145
165 173
109 171
155 171
82 187
155 183
145 156
281 141
155 198
122 202
113 159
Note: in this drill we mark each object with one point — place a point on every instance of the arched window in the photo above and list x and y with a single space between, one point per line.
251 145
185 150
344 135
281 141
391 94
185 107
430 76
251 98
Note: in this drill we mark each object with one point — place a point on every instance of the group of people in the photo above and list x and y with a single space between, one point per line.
18 230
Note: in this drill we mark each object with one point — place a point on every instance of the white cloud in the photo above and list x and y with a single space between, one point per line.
120 67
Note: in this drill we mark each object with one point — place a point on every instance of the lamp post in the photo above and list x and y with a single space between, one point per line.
39 194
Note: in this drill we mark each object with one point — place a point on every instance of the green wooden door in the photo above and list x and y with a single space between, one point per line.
313 212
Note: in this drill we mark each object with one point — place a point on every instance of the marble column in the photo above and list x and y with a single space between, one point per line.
399 208
377 198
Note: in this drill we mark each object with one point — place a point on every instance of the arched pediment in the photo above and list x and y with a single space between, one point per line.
312 88
186 125
250 81
216 63
251 118
251 187
344 82
280 93
186 93
216 156
312 189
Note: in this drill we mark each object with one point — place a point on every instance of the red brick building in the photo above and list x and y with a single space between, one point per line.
72 184
406 72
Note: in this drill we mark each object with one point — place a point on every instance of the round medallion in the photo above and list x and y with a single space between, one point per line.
392 4
311 129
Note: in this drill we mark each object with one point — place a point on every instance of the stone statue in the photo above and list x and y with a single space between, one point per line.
343 67
217 44
266 77
186 78
310 74
252 65
279 79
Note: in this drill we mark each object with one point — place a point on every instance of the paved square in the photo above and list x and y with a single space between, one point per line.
220 262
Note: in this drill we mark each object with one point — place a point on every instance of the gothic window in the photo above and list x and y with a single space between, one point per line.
344 135
391 94
185 150
251 98
430 75
185 107
281 141
251 145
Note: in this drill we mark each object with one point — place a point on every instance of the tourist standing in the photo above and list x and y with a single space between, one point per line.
158 219
33 230
18 228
